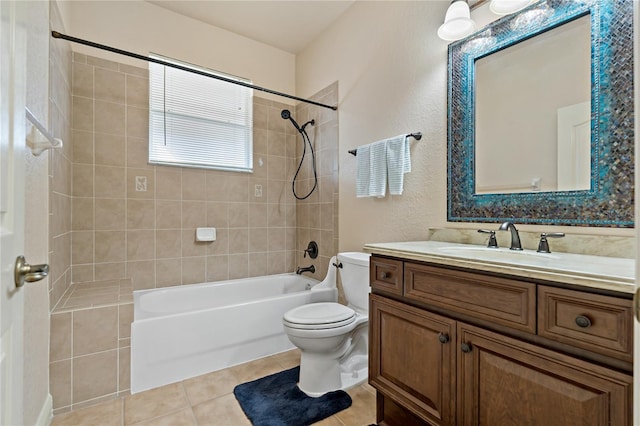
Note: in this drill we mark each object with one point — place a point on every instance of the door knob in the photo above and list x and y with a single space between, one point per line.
24 272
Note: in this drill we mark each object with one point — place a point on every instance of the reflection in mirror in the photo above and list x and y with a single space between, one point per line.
532 113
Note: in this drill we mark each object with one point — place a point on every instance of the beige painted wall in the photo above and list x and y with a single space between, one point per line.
392 73
141 27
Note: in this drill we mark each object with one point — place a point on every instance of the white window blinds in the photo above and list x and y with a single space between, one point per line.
199 121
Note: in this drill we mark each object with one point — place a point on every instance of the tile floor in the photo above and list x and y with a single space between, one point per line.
209 400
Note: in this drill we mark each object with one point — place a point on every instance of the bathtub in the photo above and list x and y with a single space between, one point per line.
185 331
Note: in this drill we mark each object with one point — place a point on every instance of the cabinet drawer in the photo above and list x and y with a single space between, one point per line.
601 324
386 275
502 301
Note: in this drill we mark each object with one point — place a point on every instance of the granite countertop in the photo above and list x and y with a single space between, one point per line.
607 273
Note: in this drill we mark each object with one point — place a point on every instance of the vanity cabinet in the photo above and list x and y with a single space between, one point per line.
459 347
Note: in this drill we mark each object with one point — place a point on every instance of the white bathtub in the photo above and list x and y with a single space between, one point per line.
182 332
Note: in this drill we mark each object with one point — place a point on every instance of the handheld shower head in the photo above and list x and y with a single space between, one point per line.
286 114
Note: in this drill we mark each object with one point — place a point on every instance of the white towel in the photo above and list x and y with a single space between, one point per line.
362 171
398 162
378 169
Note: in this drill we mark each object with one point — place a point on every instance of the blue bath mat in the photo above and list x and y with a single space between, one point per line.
276 400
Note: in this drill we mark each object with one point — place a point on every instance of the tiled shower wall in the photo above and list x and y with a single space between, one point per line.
148 235
60 164
317 216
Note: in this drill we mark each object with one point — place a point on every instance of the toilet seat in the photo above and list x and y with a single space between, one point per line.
319 316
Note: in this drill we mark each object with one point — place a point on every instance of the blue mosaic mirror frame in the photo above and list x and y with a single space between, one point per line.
610 201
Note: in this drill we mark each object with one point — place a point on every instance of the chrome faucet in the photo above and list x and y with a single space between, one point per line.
515 237
311 269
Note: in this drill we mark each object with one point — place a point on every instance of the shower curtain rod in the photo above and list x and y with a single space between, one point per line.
56 34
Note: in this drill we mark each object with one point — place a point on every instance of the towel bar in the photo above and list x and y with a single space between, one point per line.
417 136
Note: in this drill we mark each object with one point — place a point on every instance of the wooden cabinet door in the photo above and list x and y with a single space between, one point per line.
502 381
412 359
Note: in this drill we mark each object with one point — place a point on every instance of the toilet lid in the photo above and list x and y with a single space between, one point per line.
320 315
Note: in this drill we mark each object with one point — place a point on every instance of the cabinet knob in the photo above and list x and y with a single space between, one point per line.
443 337
466 348
385 275
583 321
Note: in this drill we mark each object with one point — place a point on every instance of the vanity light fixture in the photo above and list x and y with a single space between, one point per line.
532 18
457 21
506 7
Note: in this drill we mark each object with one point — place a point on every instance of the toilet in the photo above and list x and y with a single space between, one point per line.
334 338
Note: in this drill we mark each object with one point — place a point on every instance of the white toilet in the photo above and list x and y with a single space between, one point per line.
334 338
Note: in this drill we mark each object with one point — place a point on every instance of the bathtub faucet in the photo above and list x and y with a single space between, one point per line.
311 269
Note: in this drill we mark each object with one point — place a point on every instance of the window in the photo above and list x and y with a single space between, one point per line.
199 121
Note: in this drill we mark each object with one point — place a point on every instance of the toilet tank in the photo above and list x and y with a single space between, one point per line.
355 279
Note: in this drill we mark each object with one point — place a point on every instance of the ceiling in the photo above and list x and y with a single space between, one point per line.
286 25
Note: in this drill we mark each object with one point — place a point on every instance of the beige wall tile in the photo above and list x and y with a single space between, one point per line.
82 114
95 330
221 244
109 85
82 146
109 150
110 271
278 144
193 185
109 246
277 263
260 116
194 214
109 118
138 122
110 213
169 183
141 214
137 91
102 63
276 215
238 240
260 138
257 215
82 214
60 383
191 247
258 240
238 266
168 272
82 247
218 215
168 243
217 268
238 215
125 318
82 273
82 84
124 369
168 214
109 182
277 167
193 270
276 239
140 244
95 375
138 153
142 274
82 180
136 71
60 337
258 264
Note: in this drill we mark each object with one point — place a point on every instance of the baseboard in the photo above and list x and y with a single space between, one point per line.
46 413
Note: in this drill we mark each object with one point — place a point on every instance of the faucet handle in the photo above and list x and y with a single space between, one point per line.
493 243
543 246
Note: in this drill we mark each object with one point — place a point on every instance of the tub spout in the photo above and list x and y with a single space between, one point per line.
311 269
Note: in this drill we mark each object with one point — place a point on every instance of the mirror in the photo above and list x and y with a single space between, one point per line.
540 117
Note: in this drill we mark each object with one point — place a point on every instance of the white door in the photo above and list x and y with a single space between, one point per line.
574 147
12 153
